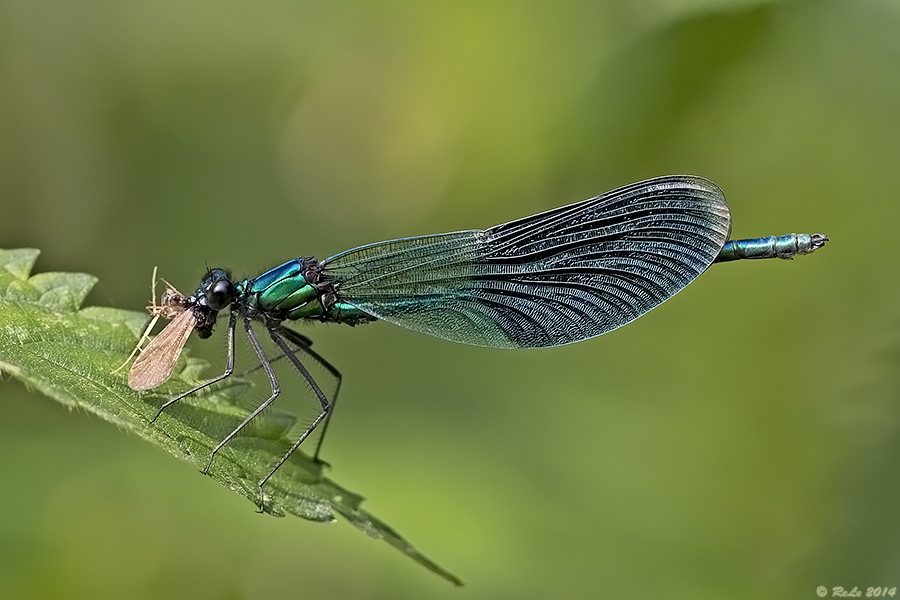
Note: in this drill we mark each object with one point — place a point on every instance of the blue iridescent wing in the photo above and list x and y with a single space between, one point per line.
554 278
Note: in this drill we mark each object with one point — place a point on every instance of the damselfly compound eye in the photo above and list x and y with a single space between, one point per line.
219 294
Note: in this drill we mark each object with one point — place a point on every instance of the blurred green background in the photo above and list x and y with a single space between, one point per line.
741 441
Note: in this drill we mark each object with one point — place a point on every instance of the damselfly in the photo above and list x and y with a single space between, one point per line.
554 278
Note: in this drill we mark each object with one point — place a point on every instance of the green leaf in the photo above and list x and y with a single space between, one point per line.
69 355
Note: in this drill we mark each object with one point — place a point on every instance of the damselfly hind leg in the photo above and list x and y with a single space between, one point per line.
302 349
278 337
304 343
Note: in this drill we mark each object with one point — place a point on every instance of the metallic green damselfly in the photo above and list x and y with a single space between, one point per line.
554 278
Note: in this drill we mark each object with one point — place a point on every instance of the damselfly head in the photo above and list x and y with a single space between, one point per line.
215 293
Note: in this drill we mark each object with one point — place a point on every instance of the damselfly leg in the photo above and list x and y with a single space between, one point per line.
229 369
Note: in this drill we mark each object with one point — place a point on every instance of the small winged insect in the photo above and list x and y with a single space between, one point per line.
157 361
554 278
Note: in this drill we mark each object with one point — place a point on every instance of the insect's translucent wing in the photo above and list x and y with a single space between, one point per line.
557 277
156 363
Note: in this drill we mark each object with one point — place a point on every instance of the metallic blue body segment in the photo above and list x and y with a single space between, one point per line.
283 289
784 246
285 271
